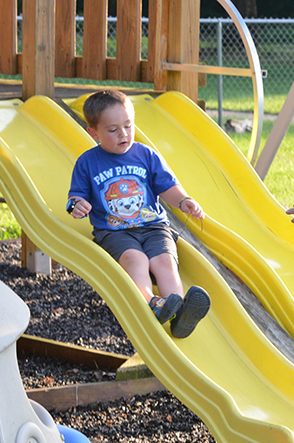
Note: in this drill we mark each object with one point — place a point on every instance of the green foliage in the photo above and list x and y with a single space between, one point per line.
9 228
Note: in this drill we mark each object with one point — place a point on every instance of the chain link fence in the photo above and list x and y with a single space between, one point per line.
274 41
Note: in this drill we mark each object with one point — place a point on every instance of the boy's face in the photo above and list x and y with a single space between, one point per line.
115 130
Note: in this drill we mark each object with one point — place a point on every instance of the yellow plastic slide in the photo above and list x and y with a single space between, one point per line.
246 229
227 372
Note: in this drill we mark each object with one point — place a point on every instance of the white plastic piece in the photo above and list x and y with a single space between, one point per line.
21 420
39 262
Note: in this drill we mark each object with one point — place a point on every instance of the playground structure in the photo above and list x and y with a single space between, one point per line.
173 48
252 398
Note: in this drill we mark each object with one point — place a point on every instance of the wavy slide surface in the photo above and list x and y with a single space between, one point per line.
246 229
227 372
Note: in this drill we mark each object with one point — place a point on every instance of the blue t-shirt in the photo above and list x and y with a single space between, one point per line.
123 189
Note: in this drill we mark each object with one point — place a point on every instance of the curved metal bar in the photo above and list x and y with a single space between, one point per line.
256 78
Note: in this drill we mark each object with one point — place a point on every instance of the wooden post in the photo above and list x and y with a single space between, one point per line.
276 136
38 48
95 39
65 37
37 78
183 45
157 43
128 53
33 258
8 37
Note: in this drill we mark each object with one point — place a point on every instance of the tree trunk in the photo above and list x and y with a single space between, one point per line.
247 8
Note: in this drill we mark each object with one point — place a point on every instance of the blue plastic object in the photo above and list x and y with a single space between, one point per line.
72 435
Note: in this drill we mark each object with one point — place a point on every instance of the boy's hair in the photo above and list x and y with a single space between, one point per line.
97 102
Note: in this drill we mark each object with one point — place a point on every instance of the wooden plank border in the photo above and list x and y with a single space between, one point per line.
41 347
65 397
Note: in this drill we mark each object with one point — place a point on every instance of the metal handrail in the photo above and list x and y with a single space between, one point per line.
255 72
256 78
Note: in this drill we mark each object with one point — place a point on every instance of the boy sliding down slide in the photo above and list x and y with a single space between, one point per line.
118 183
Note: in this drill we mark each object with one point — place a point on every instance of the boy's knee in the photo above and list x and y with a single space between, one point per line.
132 256
162 260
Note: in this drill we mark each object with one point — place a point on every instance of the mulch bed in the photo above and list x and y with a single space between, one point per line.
65 308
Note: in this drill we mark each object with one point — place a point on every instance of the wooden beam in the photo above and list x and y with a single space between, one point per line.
95 39
157 43
65 38
38 48
65 397
8 37
276 136
205 69
128 53
183 45
41 347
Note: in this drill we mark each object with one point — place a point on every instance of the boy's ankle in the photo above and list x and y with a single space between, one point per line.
165 308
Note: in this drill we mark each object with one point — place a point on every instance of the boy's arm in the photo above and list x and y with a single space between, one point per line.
178 198
81 208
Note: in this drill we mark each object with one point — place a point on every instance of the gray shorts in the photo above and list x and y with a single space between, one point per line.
151 240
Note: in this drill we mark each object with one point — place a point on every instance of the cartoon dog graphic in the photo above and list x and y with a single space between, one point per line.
125 199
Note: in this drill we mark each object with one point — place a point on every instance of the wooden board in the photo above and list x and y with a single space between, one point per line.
65 397
41 347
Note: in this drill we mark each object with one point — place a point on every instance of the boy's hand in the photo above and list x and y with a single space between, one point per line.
81 209
290 211
190 206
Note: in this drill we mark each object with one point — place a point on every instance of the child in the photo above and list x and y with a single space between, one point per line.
118 183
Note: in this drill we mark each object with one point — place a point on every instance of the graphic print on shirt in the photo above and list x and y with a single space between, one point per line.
125 201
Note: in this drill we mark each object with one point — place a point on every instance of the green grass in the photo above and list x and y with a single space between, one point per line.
9 228
280 177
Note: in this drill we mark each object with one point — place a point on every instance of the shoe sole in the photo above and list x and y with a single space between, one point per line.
195 306
170 307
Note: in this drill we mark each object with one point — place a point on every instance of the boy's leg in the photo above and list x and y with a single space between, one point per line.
165 269
136 264
196 303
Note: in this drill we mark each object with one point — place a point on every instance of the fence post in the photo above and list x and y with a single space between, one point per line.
183 45
38 48
157 43
128 53
95 39
220 77
8 37
65 33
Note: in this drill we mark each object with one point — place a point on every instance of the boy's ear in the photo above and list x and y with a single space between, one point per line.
92 133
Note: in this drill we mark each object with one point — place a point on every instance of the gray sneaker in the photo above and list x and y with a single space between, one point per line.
195 306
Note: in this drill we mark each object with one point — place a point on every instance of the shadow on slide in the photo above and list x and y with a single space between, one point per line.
226 372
